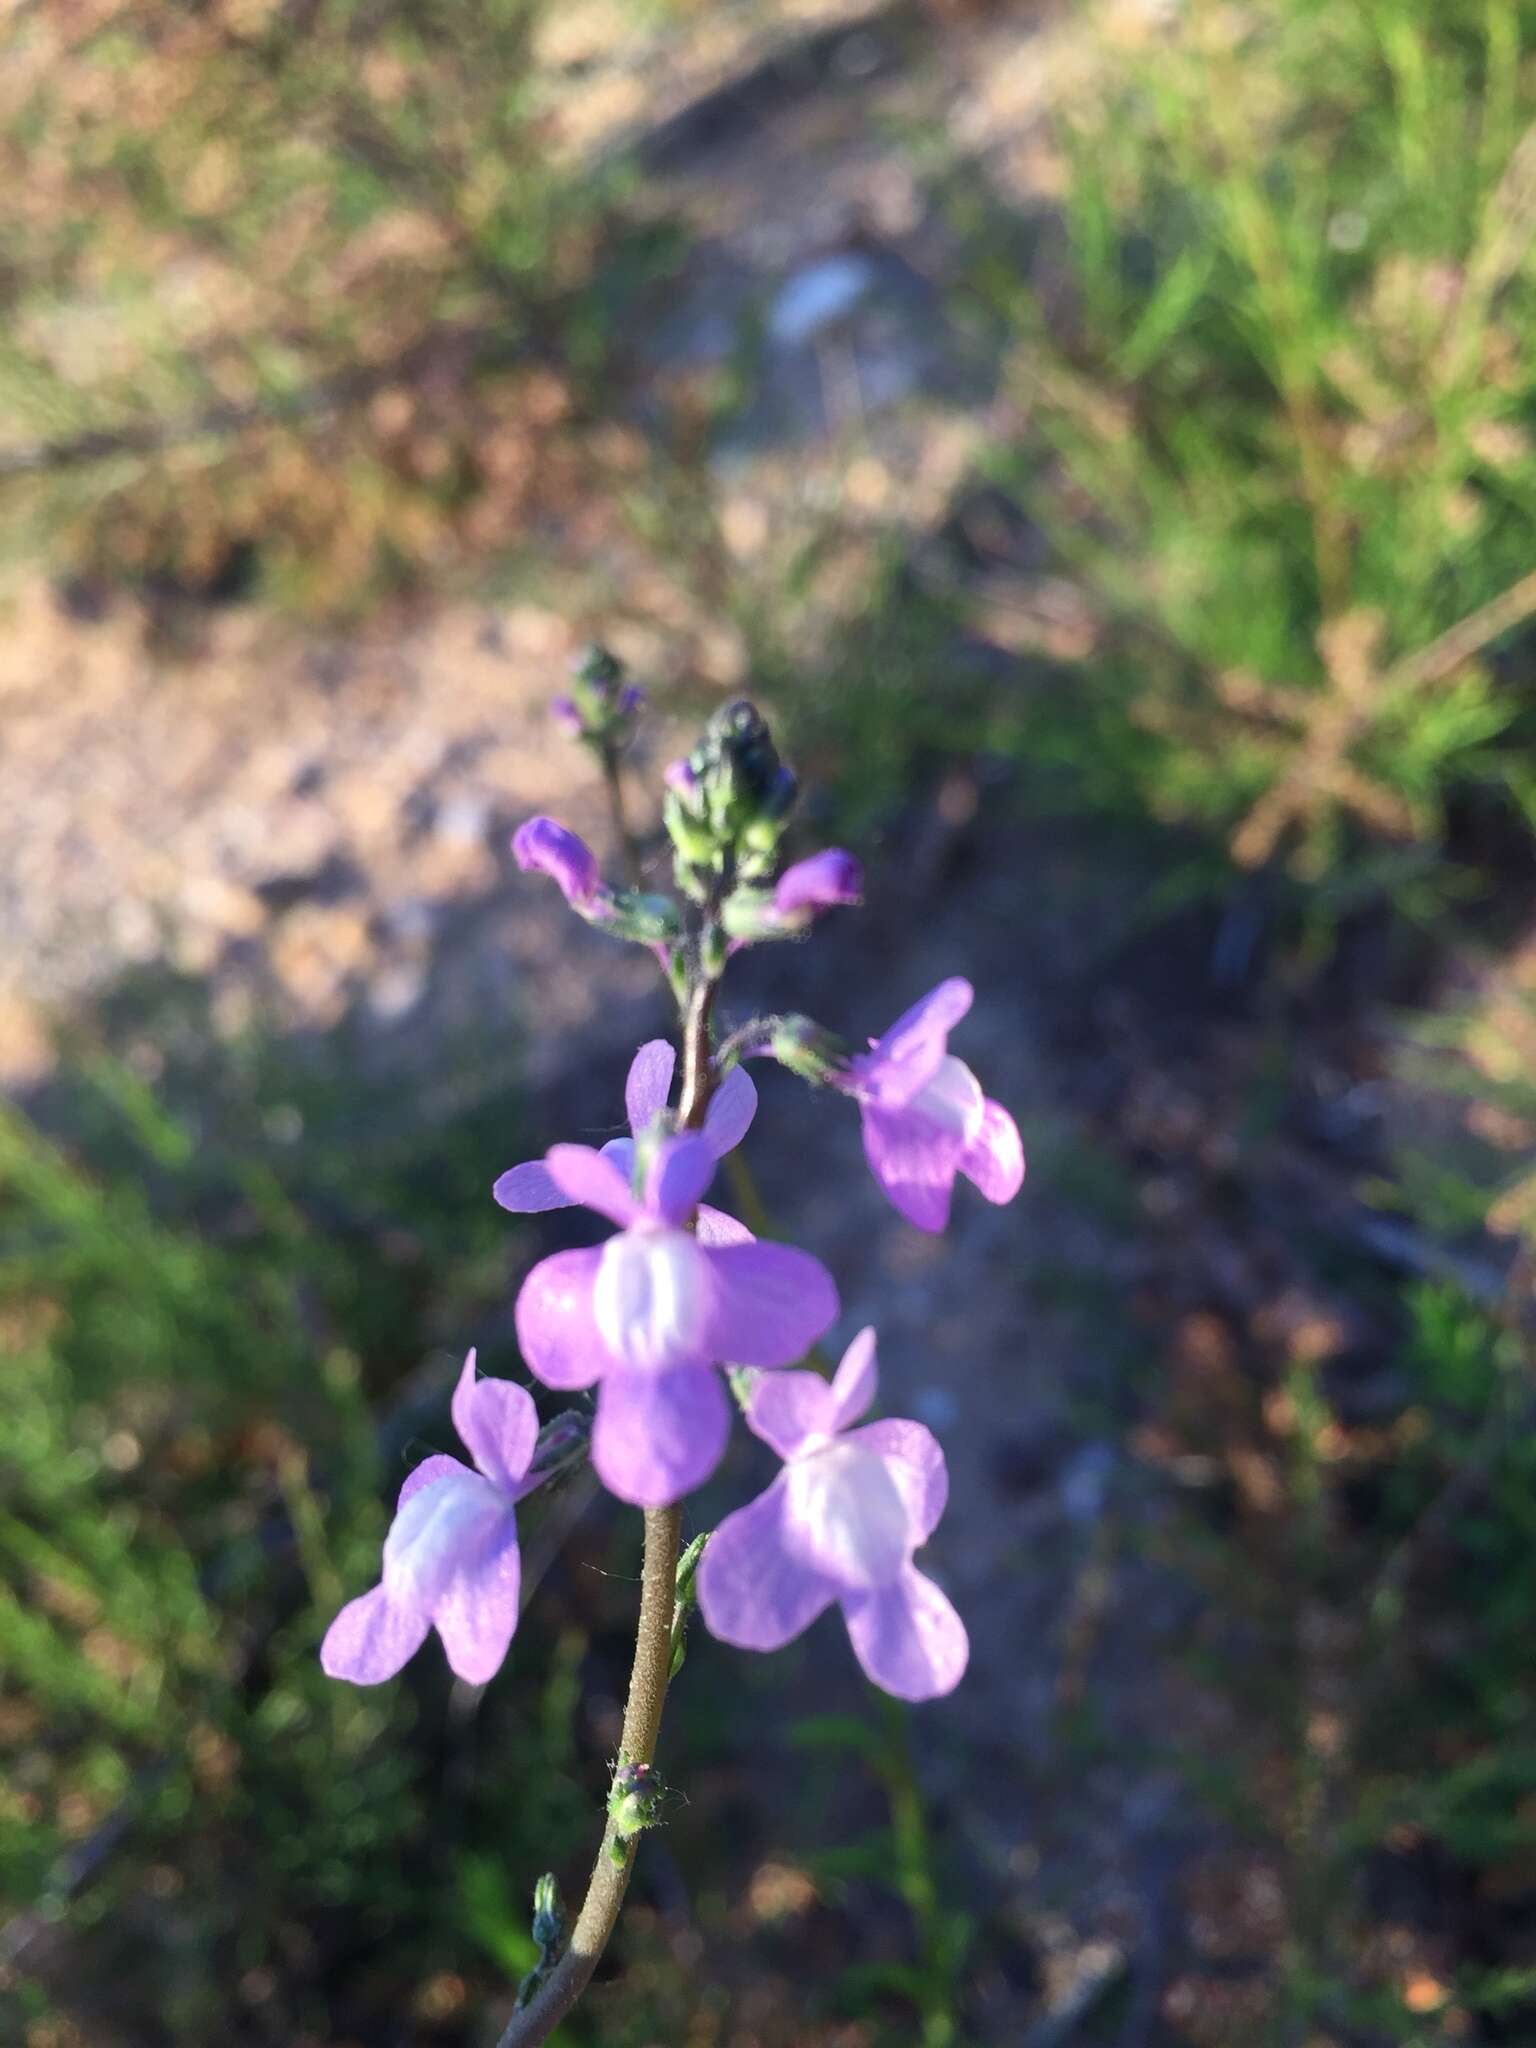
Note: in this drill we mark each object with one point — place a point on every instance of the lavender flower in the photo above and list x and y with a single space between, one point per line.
450 1558
925 1117
531 1188
651 1312
840 1523
545 846
816 883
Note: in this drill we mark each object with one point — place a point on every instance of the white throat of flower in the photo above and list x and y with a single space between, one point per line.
443 1526
951 1097
845 1515
651 1298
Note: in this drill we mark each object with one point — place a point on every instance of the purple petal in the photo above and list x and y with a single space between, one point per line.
916 1464
620 1152
752 1591
528 1189
441 1528
907 1637
731 1110
497 1424
934 1015
713 1227
372 1638
680 1172
587 1177
544 846
909 1052
789 1407
855 1381
771 1303
555 1324
649 1083
439 1466
476 1613
659 1435
994 1159
826 878
915 1162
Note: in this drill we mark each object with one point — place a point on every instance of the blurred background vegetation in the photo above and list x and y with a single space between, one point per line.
1137 482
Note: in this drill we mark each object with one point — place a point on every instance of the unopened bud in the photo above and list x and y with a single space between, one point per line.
634 1799
563 1438
727 803
601 706
808 1050
548 1926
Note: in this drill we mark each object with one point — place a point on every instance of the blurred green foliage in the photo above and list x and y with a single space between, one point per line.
190 1483
297 297
1278 406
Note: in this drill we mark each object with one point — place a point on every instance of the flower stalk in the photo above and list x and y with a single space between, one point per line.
651 1672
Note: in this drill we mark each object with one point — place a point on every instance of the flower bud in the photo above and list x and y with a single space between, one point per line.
601 706
563 1439
830 877
808 1050
548 1925
634 1799
727 803
544 846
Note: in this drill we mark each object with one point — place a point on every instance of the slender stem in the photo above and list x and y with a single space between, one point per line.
618 811
642 1723
653 1656
698 1075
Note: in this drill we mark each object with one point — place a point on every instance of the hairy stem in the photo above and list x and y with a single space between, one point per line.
642 1723
651 1669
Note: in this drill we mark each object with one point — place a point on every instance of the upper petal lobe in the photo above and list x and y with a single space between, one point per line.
649 1083
789 1407
586 1176
731 1110
498 1425
529 1189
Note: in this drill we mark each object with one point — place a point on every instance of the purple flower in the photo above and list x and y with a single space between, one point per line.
840 1523
531 1187
820 881
544 846
925 1117
567 715
650 1313
450 1558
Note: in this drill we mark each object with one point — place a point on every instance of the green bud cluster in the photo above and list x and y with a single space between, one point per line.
634 1803
727 804
600 706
